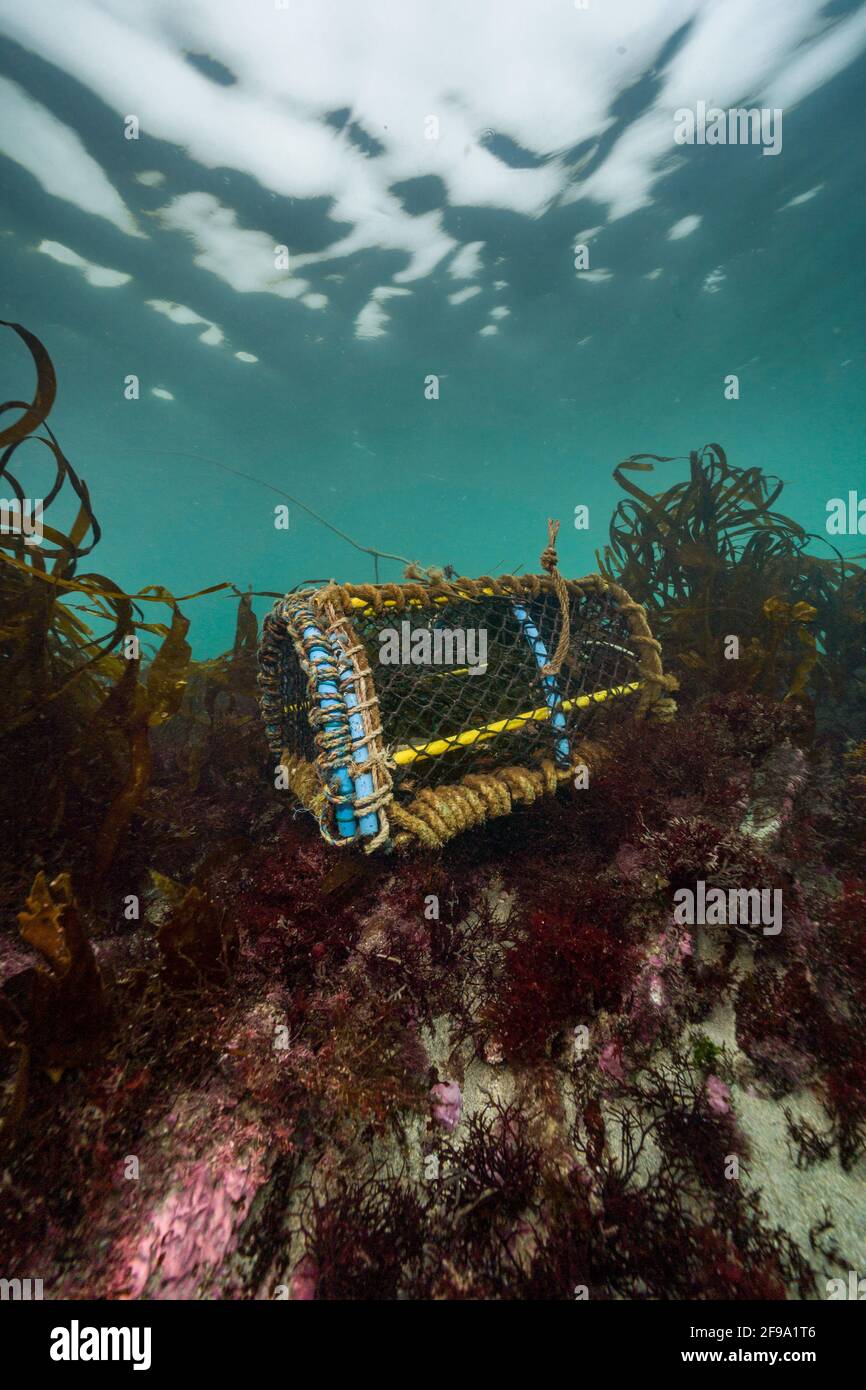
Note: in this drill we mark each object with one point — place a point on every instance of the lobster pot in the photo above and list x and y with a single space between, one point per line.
404 713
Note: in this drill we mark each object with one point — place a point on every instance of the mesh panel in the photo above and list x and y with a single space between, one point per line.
296 704
440 700
286 702
420 703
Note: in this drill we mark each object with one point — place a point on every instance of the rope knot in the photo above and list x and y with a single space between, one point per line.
550 563
549 560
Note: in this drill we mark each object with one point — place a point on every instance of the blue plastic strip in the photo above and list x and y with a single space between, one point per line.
329 698
552 697
368 823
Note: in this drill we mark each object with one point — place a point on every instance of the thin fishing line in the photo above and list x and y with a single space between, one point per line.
280 492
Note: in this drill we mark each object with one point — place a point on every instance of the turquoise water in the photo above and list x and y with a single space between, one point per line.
306 127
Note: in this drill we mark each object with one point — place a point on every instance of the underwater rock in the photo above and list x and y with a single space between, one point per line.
780 778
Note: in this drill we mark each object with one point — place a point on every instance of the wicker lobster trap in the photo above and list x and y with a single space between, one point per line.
388 752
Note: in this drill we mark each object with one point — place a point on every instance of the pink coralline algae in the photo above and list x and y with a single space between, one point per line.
195 1229
659 983
718 1096
447 1104
610 1061
305 1279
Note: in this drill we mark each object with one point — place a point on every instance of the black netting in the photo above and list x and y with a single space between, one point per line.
439 700
286 702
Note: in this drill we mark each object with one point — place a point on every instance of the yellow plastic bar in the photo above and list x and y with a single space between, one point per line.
438 746
416 602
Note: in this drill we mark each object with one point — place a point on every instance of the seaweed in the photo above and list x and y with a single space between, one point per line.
74 700
310 1006
63 1011
808 1144
567 963
710 558
197 944
363 1241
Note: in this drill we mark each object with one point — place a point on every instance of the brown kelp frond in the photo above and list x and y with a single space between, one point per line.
76 699
46 389
61 1013
712 560
196 943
